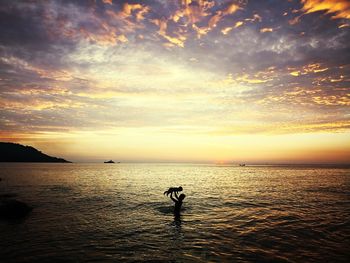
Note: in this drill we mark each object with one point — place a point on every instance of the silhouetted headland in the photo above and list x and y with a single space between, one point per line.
13 152
110 161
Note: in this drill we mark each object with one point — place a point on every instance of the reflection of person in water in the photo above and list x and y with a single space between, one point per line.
178 203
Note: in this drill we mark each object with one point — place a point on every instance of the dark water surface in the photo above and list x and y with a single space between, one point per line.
117 212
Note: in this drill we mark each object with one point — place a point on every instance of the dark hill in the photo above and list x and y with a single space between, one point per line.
13 152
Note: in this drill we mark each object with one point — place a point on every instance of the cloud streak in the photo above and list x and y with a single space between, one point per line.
338 9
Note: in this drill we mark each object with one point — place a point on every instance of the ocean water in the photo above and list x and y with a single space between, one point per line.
117 212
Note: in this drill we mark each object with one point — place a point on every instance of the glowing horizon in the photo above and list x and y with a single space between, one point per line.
193 81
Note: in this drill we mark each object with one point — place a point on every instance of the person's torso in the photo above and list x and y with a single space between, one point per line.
178 205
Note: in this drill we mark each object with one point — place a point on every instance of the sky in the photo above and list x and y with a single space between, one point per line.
231 81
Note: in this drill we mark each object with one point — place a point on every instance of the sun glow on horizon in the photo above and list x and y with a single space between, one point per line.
154 145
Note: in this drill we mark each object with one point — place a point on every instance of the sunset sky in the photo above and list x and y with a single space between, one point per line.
198 81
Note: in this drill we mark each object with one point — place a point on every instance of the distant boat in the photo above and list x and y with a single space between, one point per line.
242 164
110 161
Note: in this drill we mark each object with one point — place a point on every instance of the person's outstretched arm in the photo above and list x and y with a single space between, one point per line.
176 196
172 198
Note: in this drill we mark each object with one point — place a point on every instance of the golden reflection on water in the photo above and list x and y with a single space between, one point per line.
118 212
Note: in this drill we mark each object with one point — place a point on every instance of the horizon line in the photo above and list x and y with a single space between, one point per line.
199 163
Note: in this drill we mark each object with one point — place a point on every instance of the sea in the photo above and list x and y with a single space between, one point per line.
118 213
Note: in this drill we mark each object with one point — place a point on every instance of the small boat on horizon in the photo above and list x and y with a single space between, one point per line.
242 164
110 161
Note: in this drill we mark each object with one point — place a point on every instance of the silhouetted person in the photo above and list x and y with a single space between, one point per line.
178 203
172 190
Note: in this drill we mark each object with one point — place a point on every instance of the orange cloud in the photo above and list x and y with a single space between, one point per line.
339 8
238 24
232 8
128 8
282 128
107 2
310 68
125 19
140 15
255 18
257 78
104 32
201 31
129 11
307 96
295 73
58 75
294 21
106 38
226 30
192 13
266 29
178 41
332 100
343 25
193 10
247 79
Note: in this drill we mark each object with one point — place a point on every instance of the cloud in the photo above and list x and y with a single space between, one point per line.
85 65
339 9
215 19
266 29
178 40
110 2
307 69
194 11
226 30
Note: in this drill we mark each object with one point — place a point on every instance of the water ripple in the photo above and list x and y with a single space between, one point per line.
94 213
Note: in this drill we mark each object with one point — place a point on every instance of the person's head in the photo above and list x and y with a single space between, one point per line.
182 197
180 188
